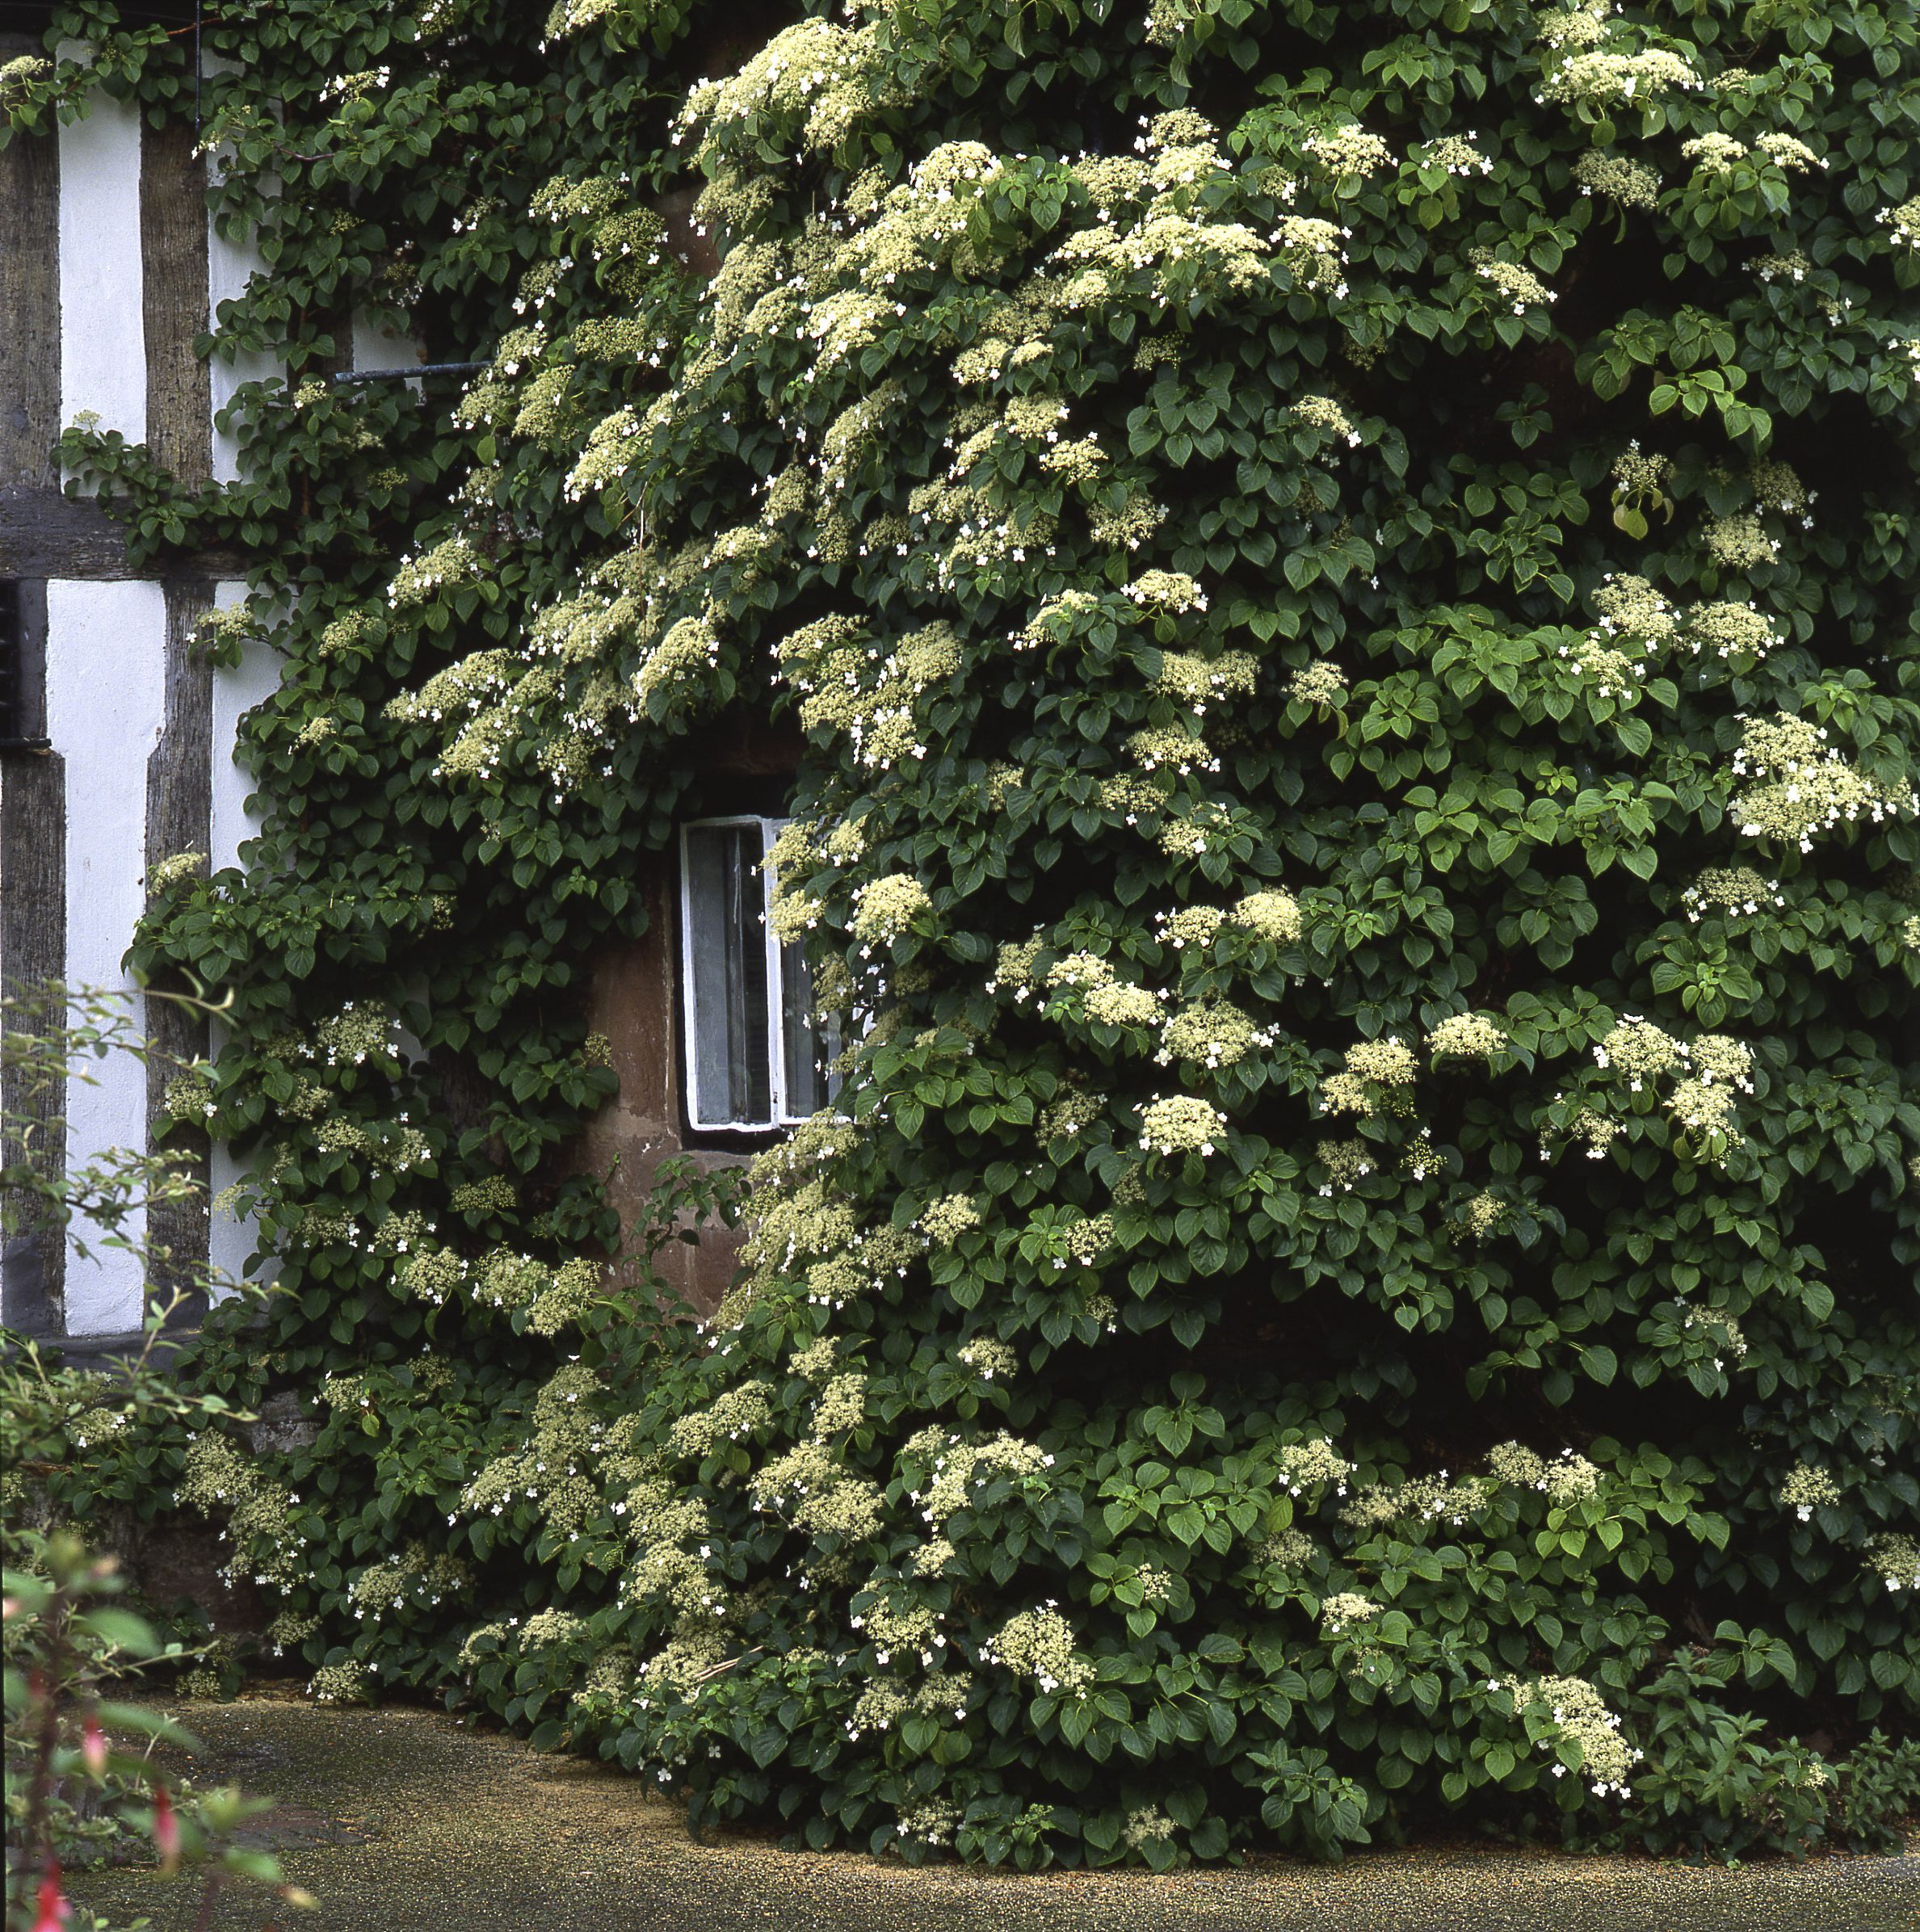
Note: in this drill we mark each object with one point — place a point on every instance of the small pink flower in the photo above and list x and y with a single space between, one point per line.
50 1908
166 1829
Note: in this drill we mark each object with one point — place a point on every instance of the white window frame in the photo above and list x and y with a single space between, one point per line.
783 1115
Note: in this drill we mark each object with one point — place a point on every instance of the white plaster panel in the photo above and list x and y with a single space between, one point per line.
229 265
106 706
103 336
236 692
231 1238
378 349
231 1241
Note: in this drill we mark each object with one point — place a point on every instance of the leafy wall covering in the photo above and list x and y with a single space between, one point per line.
1348 573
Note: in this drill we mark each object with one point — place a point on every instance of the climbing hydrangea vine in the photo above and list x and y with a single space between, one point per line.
1347 576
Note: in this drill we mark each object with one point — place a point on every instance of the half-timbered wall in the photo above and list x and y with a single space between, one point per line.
118 753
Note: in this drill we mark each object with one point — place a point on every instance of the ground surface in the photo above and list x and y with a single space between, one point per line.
401 1820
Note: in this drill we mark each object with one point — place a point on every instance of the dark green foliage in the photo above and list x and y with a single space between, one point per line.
1364 708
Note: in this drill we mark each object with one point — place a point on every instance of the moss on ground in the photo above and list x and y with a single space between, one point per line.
404 1820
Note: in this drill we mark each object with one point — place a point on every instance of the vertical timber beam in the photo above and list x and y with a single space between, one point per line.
179 816
32 785
30 302
33 944
173 298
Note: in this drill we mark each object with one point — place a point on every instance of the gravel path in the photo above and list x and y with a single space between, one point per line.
402 1821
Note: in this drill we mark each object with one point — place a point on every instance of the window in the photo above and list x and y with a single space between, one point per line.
757 1050
17 723
23 664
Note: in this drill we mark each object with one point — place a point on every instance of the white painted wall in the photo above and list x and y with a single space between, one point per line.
376 348
229 265
103 335
106 672
231 1241
106 706
236 692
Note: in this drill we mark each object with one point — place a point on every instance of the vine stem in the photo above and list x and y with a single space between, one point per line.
208 1895
36 1829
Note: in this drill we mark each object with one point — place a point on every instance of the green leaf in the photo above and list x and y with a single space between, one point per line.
120 1629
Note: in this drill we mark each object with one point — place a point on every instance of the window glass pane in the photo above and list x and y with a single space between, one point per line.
726 951
811 1042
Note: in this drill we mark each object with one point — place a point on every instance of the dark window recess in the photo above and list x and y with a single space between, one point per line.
23 721
30 16
759 1054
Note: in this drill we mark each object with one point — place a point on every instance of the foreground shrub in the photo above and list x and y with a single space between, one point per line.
81 1787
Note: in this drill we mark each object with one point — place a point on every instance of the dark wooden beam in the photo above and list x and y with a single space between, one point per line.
29 304
33 921
42 533
180 819
45 534
172 247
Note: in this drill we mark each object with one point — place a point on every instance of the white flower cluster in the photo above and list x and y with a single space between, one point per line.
1273 916
1896 1560
1902 224
676 667
1609 80
816 74
1198 682
1176 751
1193 925
1346 1162
1455 155
1312 251
1322 684
1214 1033
1345 1608
341 1683
1569 1478
1467 1036
944 1221
1720 1331
1304 1466
1516 285
1347 150
1145 1826
1373 1068
1626 183
1807 1487
1040 1644
1168 592
1181 1124
1579 1715
1637 1048
738 1413
886 909
1426 1499
988 1358
1714 153
960 1468
1807 786
418 579
932 1823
